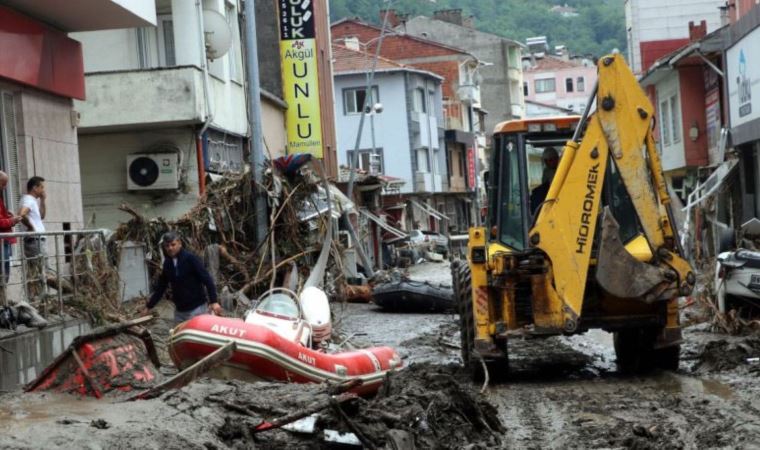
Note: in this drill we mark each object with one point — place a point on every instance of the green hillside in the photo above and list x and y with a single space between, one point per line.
598 29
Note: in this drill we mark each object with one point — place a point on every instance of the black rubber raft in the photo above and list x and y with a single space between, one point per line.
414 296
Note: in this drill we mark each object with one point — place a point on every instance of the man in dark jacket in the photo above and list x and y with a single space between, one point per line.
187 277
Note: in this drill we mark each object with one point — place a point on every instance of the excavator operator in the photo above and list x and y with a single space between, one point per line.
550 159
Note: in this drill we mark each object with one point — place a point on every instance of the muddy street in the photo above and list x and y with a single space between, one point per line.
560 393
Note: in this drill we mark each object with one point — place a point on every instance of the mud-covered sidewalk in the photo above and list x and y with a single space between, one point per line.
560 393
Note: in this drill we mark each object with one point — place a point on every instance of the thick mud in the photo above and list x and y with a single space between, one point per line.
561 392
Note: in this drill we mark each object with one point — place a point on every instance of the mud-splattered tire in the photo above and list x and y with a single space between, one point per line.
635 351
462 283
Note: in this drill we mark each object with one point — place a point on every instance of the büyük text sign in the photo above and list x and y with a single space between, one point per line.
300 83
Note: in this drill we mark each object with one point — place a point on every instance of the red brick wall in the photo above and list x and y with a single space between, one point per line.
693 111
652 50
740 8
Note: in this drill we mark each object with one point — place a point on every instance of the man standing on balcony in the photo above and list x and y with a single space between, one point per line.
32 212
7 222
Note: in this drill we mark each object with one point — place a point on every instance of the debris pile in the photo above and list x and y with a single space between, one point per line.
427 405
222 228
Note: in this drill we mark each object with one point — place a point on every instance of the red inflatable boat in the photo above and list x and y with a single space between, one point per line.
264 354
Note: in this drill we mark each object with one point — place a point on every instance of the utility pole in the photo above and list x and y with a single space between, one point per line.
254 118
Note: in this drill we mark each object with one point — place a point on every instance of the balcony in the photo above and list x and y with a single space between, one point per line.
173 96
88 15
423 182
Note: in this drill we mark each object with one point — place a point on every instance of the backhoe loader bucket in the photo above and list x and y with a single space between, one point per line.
619 273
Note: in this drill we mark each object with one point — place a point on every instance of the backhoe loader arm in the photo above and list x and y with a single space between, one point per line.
567 222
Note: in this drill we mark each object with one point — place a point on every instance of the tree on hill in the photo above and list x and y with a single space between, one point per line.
598 28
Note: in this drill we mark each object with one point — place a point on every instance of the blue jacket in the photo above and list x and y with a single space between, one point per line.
187 281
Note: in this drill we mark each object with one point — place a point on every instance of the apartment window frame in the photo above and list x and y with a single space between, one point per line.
231 14
419 100
363 161
675 115
569 84
580 84
665 122
167 56
350 93
526 89
422 154
545 85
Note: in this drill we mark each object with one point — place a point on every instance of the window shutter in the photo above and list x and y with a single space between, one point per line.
10 150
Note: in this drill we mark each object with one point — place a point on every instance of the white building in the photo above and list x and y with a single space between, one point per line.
157 105
407 137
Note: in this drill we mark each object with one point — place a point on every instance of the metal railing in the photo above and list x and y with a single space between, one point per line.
48 266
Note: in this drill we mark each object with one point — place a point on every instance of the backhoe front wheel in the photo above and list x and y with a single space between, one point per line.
636 352
461 279
497 367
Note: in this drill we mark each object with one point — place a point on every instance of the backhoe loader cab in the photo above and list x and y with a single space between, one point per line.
579 234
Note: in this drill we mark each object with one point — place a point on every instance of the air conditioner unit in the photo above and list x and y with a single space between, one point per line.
152 171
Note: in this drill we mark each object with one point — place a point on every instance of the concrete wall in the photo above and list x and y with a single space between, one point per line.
501 82
103 158
655 20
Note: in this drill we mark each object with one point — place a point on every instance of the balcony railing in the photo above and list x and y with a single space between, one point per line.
50 267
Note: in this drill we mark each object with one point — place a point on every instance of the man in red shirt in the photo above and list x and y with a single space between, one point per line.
7 222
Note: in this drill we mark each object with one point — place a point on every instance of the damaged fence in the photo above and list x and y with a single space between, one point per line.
59 270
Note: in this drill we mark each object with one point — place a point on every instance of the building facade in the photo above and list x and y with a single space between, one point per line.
556 81
462 129
41 75
501 77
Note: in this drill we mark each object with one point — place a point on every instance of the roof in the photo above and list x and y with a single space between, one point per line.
549 62
442 22
392 32
710 43
512 126
348 61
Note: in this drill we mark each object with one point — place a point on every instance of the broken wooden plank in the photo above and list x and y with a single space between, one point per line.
284 420
191 373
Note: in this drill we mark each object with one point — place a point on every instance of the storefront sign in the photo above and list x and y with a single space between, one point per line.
712 114
471 172
743 79
300 85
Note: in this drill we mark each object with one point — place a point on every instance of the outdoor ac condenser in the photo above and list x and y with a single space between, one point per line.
152 171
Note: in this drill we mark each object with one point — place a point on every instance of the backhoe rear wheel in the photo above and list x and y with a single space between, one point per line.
635 351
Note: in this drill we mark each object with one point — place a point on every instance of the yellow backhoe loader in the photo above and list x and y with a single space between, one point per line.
578 239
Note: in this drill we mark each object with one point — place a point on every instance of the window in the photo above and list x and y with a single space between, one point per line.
369 160
431 99
545 85
354 99
166 53
418 102
674 110
665 122
143 48
568 85
525 88
580 83
232 57
423 165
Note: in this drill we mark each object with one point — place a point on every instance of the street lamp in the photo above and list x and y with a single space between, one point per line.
376 108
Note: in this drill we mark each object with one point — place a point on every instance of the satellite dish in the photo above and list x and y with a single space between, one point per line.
218 34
